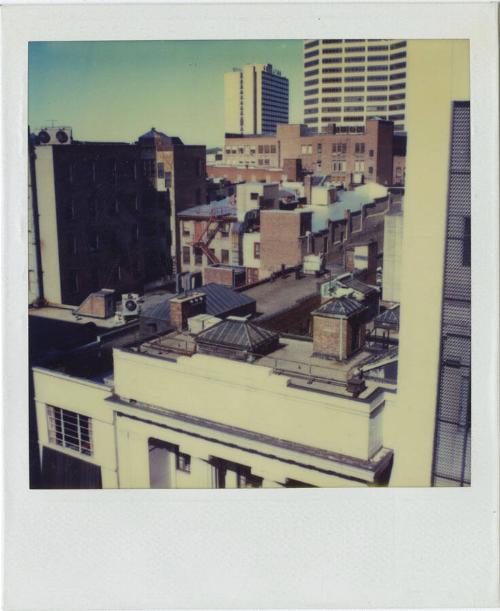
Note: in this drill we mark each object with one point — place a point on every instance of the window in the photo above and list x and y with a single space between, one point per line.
306 149
254 196
224 230
185 229
161 170
198 256
370 170
227 474
183 462
69 211
93 241
224 256
256 250
72 245
319 148
69 430
359 166
186 255
339 148
371 152
73 282
466 243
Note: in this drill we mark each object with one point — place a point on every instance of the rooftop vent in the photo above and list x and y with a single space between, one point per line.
237 338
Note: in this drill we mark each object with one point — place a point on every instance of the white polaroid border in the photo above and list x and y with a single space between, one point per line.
327 548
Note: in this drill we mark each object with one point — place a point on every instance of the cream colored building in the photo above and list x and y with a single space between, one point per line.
255 99
173 418
349 81
440 67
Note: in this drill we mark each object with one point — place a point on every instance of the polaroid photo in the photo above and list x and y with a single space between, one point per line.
243 254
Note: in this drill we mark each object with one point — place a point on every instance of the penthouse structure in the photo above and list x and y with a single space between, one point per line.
255 99
103 213
349 81
367 155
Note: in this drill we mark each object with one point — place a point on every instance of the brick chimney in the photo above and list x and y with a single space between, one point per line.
293 169
183 307
338 328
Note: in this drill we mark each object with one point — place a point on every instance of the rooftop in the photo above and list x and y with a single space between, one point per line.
283 292
340 306
290 357
221 301
222 208
66 313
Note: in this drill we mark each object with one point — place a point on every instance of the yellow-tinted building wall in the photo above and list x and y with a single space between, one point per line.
437 75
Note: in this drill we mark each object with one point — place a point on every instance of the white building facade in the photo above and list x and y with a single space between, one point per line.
349 81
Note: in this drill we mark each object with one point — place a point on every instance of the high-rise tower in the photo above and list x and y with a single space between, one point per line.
255 100
349 81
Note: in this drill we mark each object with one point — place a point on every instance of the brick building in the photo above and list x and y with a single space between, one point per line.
347 158
105 212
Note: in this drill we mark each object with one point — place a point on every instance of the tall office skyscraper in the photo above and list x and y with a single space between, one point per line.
349 81
255 100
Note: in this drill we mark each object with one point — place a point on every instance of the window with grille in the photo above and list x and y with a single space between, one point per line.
70 430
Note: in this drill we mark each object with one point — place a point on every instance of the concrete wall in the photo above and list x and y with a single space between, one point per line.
393 244
249 397
249 240
49 242
440 67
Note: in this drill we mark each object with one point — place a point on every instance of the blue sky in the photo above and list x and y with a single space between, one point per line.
118 90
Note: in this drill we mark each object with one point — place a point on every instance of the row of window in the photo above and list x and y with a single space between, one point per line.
198 255
334 41
338 147
261 149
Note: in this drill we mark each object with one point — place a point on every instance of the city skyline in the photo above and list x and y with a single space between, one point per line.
104 90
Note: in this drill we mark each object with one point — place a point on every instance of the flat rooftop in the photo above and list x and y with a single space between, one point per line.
65 314
284 292
294 358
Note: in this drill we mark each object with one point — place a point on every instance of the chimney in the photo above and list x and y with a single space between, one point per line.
185 306
338 328
293 169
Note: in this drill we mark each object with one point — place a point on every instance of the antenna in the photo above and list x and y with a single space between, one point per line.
53 122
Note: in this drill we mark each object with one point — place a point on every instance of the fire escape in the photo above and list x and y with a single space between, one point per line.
205 232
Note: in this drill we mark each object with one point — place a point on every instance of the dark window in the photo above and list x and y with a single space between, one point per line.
254 196
224 256
183 462
198 256
161 170
186 255
466 242
256 250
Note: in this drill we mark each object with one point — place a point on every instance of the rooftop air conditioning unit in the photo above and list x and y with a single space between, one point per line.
131 305
55 135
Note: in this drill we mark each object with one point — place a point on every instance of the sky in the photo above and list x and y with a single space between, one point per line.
119 90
